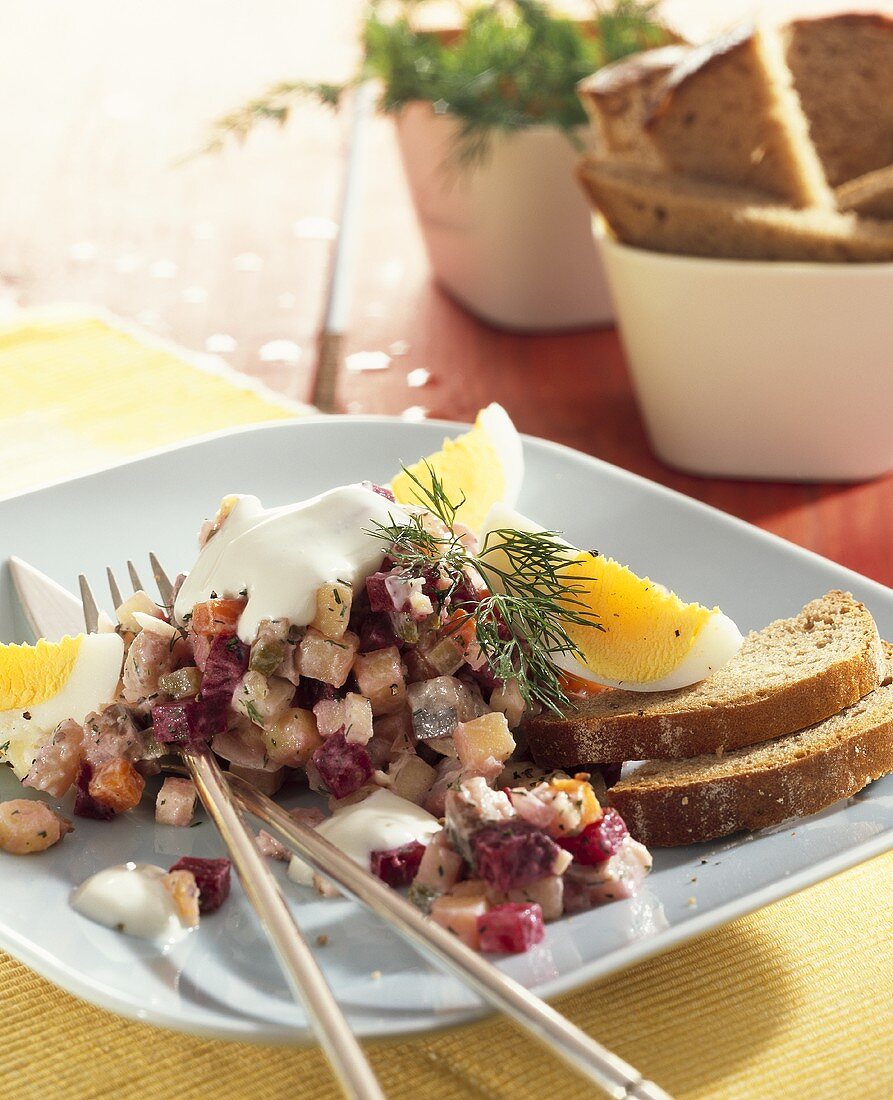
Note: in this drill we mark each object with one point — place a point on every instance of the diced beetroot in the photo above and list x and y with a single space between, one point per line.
212 876
598 841
376 632
398 866
343 765
511 928
512 854
381 490
85 805
177 722
309 692
226 665
377 591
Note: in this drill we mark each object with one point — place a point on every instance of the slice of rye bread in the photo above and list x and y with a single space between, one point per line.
666 213
686 801
785 677
870 195
728 113
842 67
617 99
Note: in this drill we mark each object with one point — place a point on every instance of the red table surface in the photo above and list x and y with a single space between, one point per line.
94 209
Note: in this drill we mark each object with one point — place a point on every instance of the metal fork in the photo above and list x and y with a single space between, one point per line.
620 1080
301 969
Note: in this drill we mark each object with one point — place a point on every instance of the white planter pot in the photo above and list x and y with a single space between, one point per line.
509 239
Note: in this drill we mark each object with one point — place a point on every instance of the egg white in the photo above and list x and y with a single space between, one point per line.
92 683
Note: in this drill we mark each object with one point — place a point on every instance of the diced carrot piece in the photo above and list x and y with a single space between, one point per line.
460 916
117 784
216 617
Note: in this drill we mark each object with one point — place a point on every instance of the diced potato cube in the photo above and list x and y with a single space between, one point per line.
547 892
380 677
441 866
293 739
483 739
507 697
333 609
460 916
267 780
411 777
262 699
352 714
470 888
175 803
321 658
139 601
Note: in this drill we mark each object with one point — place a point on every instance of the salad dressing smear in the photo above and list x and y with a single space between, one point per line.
131 898
279 557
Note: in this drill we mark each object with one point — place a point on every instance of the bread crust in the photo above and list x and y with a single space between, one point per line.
619 725
688 813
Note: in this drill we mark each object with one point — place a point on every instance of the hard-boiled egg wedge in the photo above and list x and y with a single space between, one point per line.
485 465
650 640
42 685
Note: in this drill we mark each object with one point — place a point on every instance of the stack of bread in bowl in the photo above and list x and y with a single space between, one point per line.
800 718
771 142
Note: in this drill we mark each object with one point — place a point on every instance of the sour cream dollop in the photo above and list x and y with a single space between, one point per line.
132 899
378 823
279 557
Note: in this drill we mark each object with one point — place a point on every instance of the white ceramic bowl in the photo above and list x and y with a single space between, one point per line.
758 369
509 239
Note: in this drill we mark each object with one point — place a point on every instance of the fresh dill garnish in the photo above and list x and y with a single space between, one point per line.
253 713
520 625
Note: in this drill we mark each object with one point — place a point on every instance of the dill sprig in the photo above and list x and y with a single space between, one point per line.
512 65
521 624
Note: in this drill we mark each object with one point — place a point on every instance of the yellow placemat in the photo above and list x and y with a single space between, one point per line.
80 392
791 1003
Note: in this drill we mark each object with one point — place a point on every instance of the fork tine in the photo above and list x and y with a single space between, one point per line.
91 611
117 598
162 581
134 577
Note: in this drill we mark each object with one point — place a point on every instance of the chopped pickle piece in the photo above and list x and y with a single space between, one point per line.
182 683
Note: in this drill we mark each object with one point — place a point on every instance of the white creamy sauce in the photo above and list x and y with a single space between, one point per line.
279 557
131 898
380 822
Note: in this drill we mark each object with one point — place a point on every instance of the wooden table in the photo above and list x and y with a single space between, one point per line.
233 251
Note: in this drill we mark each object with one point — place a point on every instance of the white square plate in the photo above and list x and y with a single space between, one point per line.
223 980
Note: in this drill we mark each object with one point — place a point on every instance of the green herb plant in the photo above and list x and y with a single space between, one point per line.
515 64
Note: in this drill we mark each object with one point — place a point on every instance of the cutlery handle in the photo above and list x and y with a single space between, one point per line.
619 1079
301 969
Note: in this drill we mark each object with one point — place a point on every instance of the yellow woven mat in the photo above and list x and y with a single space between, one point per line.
78 393
792 1002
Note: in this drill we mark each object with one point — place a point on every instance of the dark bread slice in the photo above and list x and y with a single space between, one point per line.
791 674
617 99
686 801
870 195
842 68
728 113
688 217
